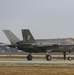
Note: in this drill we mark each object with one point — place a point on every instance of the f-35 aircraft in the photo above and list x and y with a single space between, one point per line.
31 45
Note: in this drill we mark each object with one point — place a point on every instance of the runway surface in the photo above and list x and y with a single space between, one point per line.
37 62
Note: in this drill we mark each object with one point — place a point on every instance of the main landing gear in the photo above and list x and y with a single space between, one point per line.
69 58
48 57
29 57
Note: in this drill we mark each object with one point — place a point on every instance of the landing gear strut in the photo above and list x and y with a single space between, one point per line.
69 58
64 53
29 57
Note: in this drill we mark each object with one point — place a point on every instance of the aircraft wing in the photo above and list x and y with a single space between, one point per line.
17 45
48 46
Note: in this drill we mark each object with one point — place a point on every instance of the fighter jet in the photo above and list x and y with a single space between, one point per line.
31 45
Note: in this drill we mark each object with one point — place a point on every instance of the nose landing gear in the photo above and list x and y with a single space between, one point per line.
69 58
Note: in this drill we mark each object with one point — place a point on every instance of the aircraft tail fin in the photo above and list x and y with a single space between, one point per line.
27 36
12 38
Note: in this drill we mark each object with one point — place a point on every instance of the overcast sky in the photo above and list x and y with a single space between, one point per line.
45 18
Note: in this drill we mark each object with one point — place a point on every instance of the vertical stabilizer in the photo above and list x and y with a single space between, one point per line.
12 38
27 36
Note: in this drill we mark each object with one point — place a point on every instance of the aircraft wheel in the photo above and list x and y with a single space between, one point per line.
69 58
48 57
29 57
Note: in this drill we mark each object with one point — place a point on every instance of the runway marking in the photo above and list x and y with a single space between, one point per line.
37 62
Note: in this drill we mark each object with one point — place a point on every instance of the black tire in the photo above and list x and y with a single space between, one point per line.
48 57
69 58
29 57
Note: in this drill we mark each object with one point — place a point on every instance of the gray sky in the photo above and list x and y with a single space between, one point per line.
44 18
